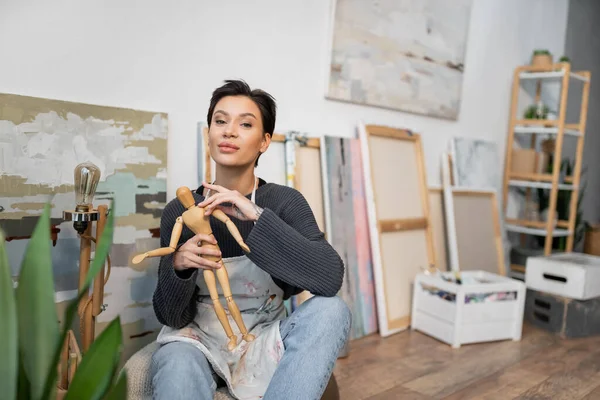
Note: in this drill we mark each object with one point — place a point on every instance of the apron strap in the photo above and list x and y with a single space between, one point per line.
253 196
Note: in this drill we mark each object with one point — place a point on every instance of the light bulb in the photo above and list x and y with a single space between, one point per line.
87 176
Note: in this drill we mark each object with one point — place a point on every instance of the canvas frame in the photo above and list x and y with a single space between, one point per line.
454 167
437 219
451 193
379 226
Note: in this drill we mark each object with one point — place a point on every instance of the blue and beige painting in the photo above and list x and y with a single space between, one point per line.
41 142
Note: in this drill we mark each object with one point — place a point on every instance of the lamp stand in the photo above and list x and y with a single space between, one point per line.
91 304
101 279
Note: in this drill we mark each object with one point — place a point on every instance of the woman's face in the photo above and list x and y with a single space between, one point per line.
235 135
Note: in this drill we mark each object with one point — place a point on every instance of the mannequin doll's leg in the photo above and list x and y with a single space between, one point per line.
233 308
211 283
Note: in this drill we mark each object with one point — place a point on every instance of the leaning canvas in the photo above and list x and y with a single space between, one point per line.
41 142
349 229
406 56
476 163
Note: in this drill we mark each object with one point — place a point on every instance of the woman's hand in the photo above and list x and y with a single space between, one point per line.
189 254
240 208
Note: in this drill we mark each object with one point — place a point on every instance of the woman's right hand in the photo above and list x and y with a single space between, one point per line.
189 254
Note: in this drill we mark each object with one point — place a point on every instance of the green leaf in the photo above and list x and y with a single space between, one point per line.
119 390
102 251
23 391
38 320
95 374
9 344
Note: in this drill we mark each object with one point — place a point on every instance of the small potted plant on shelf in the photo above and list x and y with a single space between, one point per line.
537 111
541 58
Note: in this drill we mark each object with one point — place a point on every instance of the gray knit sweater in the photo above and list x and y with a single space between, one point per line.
285 242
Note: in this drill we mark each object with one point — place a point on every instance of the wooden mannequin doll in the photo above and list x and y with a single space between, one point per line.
195 219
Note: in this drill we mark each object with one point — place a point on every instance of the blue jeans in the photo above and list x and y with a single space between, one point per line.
313 336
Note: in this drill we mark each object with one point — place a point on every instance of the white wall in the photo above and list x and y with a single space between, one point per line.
169 56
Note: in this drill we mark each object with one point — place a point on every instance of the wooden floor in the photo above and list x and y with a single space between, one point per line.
411 365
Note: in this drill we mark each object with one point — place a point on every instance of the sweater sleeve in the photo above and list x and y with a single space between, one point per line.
174 297
291 248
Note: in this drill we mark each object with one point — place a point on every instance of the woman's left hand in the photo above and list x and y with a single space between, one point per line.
240 208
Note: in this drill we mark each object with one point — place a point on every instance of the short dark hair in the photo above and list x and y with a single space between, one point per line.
264 101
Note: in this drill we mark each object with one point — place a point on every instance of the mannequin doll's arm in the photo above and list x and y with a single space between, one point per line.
174 299
221 216
163 251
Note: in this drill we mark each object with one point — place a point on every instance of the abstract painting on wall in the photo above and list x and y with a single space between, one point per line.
41 142
406 55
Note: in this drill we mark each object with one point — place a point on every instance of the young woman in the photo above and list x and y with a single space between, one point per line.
292 356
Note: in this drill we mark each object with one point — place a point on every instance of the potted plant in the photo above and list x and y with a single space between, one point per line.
536 111
541 58
31 338
548 146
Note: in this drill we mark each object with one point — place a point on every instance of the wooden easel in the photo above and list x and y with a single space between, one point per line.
70 358
90 305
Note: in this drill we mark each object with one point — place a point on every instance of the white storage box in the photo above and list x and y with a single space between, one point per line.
570 275
483 307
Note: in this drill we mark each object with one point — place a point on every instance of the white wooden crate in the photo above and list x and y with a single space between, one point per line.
458 319
570 275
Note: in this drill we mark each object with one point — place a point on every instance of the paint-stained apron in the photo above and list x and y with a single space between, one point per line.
249 367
